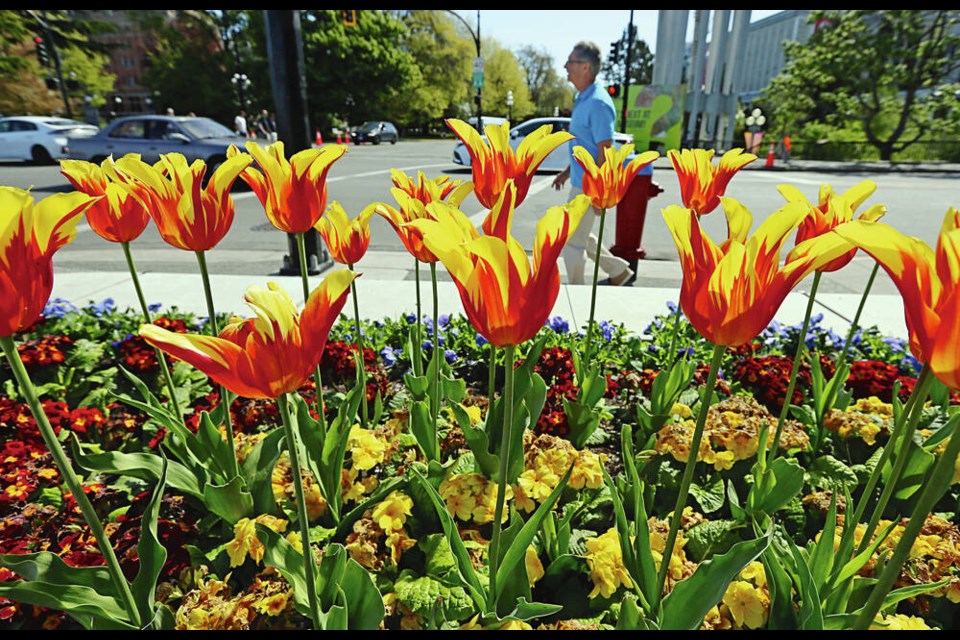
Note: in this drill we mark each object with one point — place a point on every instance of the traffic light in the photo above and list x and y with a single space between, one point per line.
43 55
349 17
614 57
614 90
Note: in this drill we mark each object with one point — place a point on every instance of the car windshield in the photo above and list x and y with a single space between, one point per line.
369 126
206 128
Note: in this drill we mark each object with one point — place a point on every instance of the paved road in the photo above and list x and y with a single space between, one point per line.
916 204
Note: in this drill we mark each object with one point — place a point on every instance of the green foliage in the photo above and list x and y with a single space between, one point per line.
870 71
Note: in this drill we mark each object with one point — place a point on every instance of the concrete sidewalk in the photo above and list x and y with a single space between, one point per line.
387 289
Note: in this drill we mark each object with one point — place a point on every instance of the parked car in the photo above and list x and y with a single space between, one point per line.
375 132
39 139
558 159
151 135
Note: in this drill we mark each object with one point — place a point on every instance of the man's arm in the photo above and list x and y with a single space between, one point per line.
603 144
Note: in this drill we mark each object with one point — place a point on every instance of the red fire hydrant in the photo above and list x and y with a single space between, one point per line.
631 215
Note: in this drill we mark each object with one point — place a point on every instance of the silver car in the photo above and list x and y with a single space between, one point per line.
558 159
151 135
40 139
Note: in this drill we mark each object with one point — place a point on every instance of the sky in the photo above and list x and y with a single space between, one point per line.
558 30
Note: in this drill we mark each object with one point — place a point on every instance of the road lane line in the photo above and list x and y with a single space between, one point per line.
536 187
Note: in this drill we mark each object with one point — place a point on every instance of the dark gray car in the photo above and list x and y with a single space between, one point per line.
151 135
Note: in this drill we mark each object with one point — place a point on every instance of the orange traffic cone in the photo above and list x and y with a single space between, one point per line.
339 139
319 138
770 156
346 136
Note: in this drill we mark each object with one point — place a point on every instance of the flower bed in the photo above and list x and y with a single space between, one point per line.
304 468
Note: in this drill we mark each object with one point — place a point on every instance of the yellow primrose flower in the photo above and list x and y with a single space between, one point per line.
461 505
723 460
538 483
293 538
605 560
392 512
486 504
521 500
899 622
587 471
755 573
748 605
366 449
682 410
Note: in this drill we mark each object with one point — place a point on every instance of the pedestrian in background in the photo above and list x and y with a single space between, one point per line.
240 123
592 123
265 126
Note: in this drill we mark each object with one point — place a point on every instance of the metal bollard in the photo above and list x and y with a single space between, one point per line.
631 215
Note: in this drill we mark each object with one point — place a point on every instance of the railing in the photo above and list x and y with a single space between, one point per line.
926 151
857 151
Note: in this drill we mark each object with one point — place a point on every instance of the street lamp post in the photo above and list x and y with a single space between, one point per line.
241 82
510 106
754 132
477 66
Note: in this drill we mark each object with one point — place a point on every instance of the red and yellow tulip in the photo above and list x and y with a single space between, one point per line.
606 184
496 162
929 283
293 193
832 211
270 354
346 239
29 236
427 191
701 183
506 301
117 216
731 292
188 215
410 209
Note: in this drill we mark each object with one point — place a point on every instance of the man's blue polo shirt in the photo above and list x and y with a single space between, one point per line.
592 121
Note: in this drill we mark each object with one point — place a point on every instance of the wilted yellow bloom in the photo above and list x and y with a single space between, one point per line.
245 540
533 564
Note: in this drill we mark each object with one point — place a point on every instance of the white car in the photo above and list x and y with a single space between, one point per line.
39 139
558 159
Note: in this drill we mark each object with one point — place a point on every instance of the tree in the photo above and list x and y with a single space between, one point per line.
356 73
188 66
871 69
614 67
548 91
502 74
443 58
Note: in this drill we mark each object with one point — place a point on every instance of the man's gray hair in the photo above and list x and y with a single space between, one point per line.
589 51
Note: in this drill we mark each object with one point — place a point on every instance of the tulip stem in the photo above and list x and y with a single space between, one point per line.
71 479
687 478
677 318
795 371
304 279
492 373
932 490
308 559
435 405
897 445
417 357
362 361
226 398
842 358
593 297
161 358
506 439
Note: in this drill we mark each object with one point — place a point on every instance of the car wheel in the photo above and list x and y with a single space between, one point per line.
98 159
213 163
376 140
394 141
40 155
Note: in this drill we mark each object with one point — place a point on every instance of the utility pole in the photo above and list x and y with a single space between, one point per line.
626 76
288 77
477 79
55 54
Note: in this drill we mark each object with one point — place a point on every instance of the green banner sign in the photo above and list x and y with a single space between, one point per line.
655 116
